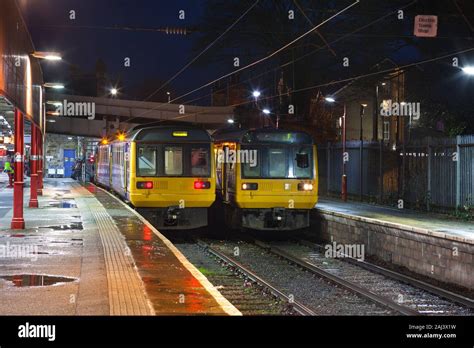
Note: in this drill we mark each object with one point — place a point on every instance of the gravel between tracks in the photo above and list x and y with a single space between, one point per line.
245 296
322 297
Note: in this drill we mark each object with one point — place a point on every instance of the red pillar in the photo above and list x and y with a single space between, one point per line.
33 167
18 223
39 169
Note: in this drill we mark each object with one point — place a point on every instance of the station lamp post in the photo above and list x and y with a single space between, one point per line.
343 124
361 137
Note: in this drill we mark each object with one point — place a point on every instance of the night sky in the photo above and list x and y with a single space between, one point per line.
153 54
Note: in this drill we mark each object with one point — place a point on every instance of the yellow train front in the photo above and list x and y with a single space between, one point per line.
266 178
166 172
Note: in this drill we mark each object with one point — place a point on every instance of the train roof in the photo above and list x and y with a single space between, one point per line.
262 136
169 134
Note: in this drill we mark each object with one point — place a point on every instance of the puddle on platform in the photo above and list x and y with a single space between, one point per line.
71 226
24 280
63 204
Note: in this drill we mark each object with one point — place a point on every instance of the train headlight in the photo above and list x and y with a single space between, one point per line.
305 187
249 186
200 185
145 185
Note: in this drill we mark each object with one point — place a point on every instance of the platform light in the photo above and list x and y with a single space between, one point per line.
54 103
266 111
468 70
121 136
104 141
256 94
54 85
330 99
52 56
114 91
231 121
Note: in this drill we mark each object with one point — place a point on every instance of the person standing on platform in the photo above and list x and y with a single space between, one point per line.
10 171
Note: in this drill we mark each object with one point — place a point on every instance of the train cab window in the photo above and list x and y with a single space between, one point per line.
147 161
302 162
251 170
173 160
200 165
277 166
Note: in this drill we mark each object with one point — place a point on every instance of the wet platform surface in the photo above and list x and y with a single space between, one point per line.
442 225
85 253
170 286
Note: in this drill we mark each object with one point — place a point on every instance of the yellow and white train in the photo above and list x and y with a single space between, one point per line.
166 172
267 179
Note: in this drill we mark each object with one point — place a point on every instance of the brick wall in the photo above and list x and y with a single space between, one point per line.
445 258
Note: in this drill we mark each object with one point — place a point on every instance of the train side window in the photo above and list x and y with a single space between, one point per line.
146 161
200 165
173 160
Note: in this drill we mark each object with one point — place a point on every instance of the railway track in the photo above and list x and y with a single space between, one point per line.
448 295
403 294
295 305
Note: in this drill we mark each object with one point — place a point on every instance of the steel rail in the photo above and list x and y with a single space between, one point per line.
448 295
297 306
363 292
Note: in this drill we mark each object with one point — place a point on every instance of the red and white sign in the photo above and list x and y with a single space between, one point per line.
426 26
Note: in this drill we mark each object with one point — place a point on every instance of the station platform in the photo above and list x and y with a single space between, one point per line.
440 248
84 252
432 224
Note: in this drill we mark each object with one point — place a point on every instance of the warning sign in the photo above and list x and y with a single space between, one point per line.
426 26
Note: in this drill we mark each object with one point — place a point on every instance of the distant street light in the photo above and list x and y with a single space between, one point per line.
46 55
266 111
113 91
330 99
54 85
169 97
468 70
256 94
231 121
